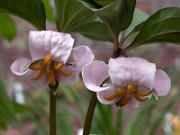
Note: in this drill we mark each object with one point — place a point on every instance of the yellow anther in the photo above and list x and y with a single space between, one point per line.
47 59
131 88
34 67
41 73
111 97
52 79
137 96
58 66
147 93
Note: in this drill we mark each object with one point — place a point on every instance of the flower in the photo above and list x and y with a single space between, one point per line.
53 58
132 80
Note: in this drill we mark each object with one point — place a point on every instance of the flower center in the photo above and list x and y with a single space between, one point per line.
52 67
127 92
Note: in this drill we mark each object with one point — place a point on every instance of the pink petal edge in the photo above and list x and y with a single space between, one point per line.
162 83
94 74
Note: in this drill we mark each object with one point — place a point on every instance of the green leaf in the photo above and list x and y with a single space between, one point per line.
72 17
162 26
141 117
49 10
3 123
104 2
117 15
30 10
7 27
20 108
138 17
6 107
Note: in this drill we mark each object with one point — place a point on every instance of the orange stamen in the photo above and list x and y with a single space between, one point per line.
63 72
52 79
125 100
147 93
34 67
111 97
58 66
120 92
41 73
47 59
137 96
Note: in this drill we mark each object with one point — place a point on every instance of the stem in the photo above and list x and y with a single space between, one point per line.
52 118
90 114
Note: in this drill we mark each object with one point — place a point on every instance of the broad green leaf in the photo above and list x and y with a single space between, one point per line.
30 10
117 15
138 17
72 17
6 107
7 27
162 26
49 10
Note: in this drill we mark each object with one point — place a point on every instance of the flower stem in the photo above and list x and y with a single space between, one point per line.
90 113
52 119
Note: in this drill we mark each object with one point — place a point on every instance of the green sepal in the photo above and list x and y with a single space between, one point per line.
53 88
119 104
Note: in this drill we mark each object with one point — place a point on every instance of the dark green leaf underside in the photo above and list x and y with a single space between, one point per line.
163 26
72 17
30 10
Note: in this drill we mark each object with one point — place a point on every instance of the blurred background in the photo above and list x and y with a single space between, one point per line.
24 107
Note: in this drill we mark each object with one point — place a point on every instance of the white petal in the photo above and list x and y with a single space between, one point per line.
133 102
20 66
58 45
69 79
162 83
125 71
36 45
94 74
82 55
73 78
107 92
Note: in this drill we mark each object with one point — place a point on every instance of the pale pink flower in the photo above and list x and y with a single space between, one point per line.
131 80
53 58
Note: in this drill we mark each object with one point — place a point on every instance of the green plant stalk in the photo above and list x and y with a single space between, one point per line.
52 118
90 113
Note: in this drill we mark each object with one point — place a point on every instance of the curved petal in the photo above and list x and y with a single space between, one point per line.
137 71
162 83
107 92
58 45
42 83
20 66
133 102
82 55
71 79
94 74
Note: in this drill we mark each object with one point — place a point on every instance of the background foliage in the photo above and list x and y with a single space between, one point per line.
96 20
